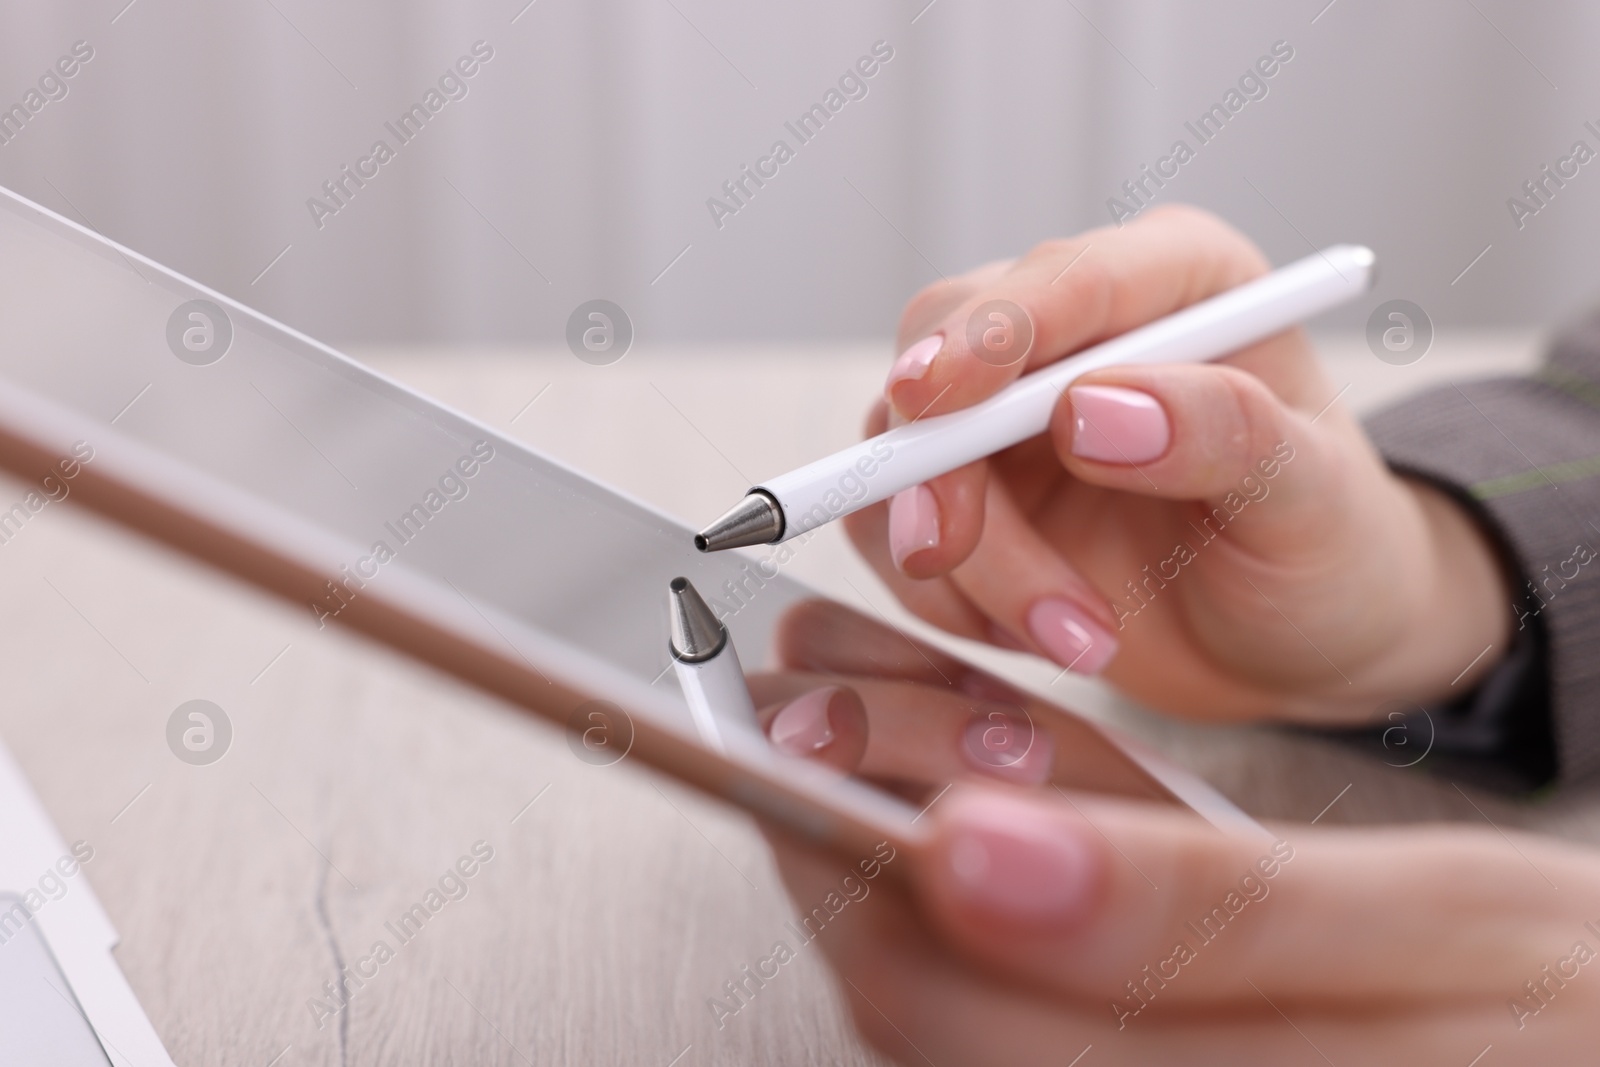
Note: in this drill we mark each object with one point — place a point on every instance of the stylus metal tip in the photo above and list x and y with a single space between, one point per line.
696 634
755 520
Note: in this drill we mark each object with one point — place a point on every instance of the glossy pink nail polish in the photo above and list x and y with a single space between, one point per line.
913 363
803 727
913 523
1012 863
1071 636
1115 425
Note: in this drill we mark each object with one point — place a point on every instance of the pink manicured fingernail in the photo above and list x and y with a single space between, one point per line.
913 523
1010 862
1071 635
913 363
1009 747
802 727
1115 425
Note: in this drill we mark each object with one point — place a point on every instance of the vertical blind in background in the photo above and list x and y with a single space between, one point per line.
580 160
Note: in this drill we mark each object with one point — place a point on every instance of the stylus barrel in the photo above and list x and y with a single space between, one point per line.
708 671
878 468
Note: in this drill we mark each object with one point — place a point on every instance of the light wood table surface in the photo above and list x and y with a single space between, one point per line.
616 903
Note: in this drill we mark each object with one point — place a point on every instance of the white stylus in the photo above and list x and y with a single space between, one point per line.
708 670
877 469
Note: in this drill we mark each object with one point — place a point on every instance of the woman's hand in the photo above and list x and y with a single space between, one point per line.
1220 540
1042 925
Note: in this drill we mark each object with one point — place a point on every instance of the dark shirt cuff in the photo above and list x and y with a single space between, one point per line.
1522 457
1499 734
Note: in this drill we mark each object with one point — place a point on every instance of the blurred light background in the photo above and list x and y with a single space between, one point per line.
580 161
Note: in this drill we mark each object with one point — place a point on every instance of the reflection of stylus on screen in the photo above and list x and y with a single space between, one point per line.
707 666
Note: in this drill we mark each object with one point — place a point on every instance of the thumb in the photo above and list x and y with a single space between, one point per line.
1216 434
1132 903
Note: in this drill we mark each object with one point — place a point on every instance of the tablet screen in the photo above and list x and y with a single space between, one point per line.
41 1024
404 483
381 500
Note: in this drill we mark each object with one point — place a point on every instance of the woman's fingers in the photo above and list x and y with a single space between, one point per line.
1031 592
936 525
1130 905
929 737
924 311
919 1000
1209 433
1282 514
827 725
928 308
826 637
932 526
933 718
1062 296
936 602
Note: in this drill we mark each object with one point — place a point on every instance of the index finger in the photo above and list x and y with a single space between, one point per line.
1066 295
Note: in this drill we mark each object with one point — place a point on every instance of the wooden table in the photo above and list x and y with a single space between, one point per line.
616 902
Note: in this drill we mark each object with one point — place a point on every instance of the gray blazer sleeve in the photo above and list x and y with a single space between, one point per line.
1524 455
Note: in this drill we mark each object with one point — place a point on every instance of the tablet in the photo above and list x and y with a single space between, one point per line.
64 1001
191 418
40 1018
